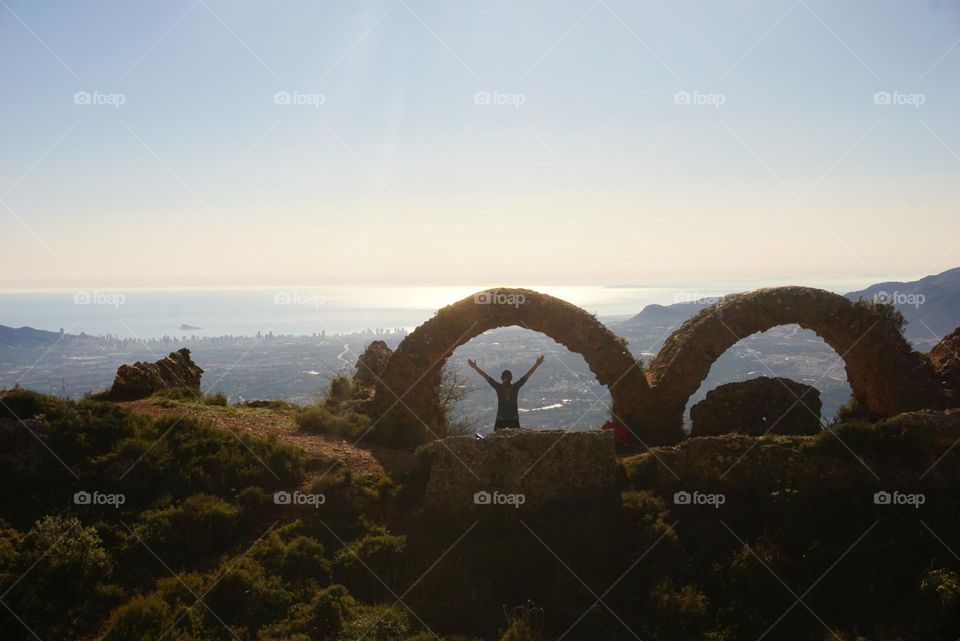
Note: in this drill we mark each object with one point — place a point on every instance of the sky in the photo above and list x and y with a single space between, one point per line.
234 143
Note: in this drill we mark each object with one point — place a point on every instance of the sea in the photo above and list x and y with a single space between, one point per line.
307 310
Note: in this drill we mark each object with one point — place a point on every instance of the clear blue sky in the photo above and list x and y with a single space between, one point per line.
588 171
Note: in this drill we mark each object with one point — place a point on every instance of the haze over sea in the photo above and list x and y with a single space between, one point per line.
301 310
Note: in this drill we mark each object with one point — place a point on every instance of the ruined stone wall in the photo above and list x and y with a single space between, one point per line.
886 375
406 397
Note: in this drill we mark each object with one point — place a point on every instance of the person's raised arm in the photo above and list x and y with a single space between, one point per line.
536 364
473 364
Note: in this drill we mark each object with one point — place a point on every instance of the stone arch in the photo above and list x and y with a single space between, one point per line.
406 398
886 375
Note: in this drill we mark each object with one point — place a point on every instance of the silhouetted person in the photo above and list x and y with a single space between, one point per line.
507 413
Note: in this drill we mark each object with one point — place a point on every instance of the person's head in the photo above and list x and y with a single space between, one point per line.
506 376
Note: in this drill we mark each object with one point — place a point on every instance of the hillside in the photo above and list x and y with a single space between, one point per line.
931 305
26 336
184 536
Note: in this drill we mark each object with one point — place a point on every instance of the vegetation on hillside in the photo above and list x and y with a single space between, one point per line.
201 548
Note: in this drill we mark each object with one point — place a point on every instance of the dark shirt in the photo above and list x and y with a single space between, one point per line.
507 398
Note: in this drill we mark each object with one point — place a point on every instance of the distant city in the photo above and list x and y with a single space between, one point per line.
298 367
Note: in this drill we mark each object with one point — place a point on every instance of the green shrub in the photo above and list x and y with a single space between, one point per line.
218 398
343 389
140 619
296 558
320 419
178 394
182 456
364 563
246 595
378 623
66 550
24 404
65 591
681 613
200 526
320 619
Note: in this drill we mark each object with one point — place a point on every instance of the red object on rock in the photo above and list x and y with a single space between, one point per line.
620 431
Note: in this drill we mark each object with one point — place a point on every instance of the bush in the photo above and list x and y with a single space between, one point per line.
178 394
219 399
200 526
140 618
322 618
361 562
246 595
320 419
343 389
23 404
378 623
295 558
67 566
64 549
524 623
183 456
681 613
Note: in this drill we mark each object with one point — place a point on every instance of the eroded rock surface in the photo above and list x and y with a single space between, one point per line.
945 357
372 363
756 407
897 450
543 466
142 379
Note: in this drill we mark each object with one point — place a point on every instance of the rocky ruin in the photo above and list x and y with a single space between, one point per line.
408 389
757 407
945 357
467 475
736 463
143 379
372 363
887 376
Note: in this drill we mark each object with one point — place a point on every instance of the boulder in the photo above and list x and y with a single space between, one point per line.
142 379
756 407
372 363
471 476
